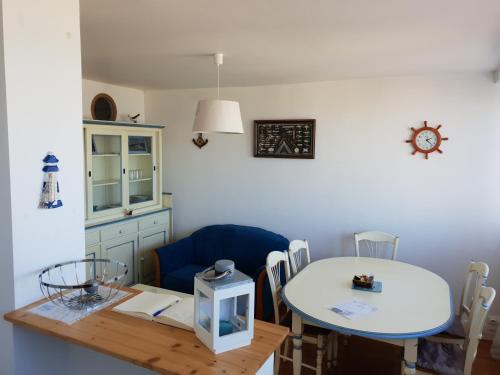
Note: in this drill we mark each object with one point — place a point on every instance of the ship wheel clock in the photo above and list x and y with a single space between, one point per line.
426 140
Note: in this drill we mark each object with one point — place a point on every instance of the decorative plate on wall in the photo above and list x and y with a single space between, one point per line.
284 138
103 107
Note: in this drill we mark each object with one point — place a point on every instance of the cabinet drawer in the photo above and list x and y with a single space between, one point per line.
153 220
118 230
91 237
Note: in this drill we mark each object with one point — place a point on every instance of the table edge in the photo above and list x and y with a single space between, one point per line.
369 334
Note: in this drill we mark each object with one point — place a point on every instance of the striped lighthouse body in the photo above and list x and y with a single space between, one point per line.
50 188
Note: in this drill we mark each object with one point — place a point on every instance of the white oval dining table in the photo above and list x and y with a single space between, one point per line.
414 303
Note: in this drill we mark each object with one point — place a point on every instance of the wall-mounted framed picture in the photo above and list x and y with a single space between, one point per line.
292 139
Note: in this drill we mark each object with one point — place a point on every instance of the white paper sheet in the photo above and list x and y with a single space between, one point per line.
66 315
353 309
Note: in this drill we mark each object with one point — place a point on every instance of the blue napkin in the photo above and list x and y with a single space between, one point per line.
376 288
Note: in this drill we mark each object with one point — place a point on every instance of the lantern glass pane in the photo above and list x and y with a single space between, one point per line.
233 315
205 311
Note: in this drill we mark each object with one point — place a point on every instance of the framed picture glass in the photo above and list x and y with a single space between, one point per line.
292 139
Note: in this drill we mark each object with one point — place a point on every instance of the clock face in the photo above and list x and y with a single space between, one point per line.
426 140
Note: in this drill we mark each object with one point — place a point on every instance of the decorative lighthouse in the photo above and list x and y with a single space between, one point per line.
50 188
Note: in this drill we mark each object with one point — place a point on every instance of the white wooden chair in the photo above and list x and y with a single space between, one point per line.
475 278
299 256
448 358
376 243
298 253
276 260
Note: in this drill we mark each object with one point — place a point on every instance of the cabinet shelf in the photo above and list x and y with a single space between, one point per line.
139 154
99 155
105 182
107 207
141 180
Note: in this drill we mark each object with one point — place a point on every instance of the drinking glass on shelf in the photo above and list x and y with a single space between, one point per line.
139 174
130 175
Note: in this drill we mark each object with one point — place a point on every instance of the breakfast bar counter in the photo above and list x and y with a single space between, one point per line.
158 347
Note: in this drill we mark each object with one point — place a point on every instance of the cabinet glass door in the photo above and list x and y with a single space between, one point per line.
141 170
106 172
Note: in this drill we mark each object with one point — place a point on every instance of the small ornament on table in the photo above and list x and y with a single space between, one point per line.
363 281
50 187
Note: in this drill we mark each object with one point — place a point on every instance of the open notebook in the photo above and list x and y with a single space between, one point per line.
162 308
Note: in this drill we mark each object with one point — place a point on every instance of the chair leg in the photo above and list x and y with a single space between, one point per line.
469 357
329 350
335 348
319 356
287 341
277 359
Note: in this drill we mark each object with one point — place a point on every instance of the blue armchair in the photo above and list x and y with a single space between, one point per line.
248 247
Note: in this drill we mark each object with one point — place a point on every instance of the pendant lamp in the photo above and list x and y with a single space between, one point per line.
217 115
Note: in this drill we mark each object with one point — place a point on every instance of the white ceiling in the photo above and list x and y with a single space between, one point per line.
159 44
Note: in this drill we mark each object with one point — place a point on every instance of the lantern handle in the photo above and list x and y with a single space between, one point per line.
216 276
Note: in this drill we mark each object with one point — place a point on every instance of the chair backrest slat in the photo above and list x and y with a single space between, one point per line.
298 252
375 241
275 260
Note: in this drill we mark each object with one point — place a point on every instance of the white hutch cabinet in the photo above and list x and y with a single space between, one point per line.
125 217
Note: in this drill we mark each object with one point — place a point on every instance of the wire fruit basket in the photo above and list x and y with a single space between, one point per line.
83 284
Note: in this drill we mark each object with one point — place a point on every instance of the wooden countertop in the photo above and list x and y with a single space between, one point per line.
158 347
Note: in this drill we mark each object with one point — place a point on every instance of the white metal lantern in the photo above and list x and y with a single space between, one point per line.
223 307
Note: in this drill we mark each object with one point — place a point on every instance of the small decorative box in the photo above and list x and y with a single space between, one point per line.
363 281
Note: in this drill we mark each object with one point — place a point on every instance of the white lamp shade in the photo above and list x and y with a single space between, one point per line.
218 116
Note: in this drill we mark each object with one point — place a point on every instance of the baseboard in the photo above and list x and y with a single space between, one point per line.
490 327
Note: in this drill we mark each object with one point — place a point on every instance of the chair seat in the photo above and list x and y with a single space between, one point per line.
182 279
308 329
456 330
455 334
443 359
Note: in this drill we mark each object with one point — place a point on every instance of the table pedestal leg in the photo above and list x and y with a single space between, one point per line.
410 357
297 343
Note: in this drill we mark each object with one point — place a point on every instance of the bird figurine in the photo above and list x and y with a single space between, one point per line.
134 118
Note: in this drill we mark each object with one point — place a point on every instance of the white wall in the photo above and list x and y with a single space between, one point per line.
128 100
446 210
6 264
43 114
41 111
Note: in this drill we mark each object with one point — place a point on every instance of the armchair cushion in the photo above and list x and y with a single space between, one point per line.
181 279
443 359
175 256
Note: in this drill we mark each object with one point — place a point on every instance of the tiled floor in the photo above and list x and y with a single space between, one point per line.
368 357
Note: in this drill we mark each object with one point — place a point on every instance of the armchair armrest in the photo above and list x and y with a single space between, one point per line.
260 280
172 257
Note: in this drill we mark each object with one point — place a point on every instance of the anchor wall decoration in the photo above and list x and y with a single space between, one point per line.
200 142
